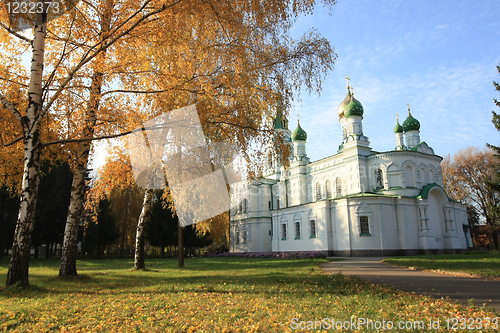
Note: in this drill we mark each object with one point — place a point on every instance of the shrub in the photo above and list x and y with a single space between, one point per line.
281 255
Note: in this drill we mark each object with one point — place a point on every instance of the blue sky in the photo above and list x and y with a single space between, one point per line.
439 56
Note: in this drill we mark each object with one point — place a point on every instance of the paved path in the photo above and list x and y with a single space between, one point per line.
458 288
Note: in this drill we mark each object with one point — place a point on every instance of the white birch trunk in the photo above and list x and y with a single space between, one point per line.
139 236
19 261
75 213
77 200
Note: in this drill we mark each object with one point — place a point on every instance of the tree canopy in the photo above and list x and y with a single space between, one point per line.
105 67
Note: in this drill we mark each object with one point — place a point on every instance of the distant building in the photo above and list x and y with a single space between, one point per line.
358 202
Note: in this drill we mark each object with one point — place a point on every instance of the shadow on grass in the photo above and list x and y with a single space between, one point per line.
206 275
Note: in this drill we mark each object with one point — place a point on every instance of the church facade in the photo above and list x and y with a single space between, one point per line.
358 202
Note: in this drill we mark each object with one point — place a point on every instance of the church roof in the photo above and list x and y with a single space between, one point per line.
347 100
411 124
280 121
354 108
345 109
398 128
299 134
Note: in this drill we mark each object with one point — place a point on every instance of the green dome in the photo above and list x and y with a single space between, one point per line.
354 108
347 100
299 134
411 124
398 128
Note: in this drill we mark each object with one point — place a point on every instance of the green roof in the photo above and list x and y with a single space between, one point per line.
398 128
424 193
354 108
299 134
416 147
279 121
411 124
344 103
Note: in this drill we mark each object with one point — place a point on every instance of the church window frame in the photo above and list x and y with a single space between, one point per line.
409 176
328 188
237 237
312 228
245 205
283 231
364 225
270 161
338 187
245 236
379 179
318 191
297 230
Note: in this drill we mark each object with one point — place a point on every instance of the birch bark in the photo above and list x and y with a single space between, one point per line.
77 200
139 236
19 262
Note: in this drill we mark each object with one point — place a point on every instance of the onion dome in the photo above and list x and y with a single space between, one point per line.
411 124
354 108
398 128
347 100
280 121
299 134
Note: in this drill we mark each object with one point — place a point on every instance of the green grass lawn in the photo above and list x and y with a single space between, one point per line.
208 295
486 264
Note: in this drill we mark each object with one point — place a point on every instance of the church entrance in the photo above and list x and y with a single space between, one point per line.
436 218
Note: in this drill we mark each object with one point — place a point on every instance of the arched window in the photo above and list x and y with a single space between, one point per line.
277 203
245 205
409 176
312 228
338 187
423 177
240 207
379 179
318 191
283 231
328 189
297 230
270 161
364 228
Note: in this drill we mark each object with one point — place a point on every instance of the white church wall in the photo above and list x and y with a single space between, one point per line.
303 240
399 219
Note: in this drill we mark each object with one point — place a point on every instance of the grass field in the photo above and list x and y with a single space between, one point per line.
209 295
485 264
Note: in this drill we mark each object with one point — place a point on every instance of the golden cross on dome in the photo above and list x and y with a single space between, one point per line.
347 78
298 118
408 108
397 117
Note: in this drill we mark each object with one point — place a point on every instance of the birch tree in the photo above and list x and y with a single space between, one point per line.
233 59
42 95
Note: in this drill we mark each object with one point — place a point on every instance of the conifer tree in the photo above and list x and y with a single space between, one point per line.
493 219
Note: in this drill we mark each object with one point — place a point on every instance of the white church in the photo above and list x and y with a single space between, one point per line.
358 202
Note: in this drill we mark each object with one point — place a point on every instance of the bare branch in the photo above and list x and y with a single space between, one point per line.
103 47
87 139
10 107
63 56
13 142
18 35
